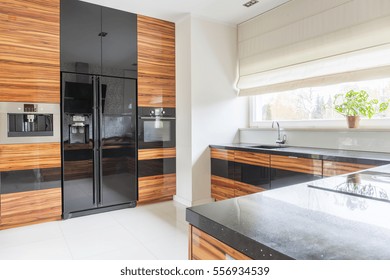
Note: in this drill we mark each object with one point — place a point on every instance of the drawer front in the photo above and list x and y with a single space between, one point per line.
333 168
252 158
245 189
156 188
222 188
24 208
222 154
300 165
205 247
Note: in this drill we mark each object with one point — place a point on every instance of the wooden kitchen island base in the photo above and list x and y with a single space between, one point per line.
205 247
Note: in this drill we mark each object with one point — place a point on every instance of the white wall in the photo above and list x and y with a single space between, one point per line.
183 110
210 109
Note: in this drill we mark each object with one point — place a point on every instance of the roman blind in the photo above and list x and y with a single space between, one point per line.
306 43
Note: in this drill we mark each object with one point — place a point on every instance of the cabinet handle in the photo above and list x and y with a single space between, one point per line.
292 157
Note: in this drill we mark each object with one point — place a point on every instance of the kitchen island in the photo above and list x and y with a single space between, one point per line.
300 221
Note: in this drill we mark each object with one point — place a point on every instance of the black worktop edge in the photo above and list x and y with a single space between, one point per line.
319 156
234 239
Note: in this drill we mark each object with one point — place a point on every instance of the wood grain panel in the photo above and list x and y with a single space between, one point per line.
156 63
252 158
30 207
222 154
333 168
222 188
30 51
245 189
145 154
205 247
302 165
156 188
29 156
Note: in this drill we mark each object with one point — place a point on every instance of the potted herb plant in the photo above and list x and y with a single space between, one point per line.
355 104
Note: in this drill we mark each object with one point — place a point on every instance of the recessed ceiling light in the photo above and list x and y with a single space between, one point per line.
250 3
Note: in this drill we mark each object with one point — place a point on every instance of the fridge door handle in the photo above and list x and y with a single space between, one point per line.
100 135
95 144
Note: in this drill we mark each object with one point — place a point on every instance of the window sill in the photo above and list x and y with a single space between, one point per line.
369 125
324 129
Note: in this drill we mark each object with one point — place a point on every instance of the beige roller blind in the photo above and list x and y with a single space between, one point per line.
331 41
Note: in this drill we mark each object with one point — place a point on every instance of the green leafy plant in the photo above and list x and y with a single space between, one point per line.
356 103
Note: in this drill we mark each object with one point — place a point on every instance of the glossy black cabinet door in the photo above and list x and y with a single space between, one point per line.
80 37
222 168
98 40
119 43
282 178
257 176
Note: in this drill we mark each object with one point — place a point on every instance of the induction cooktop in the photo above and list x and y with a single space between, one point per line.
367 184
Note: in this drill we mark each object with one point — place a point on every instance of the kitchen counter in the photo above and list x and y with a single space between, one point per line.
360 157
301 222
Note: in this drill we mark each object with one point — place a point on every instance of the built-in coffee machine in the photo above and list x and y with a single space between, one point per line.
29 122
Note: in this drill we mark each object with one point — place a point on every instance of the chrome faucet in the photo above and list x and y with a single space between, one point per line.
279 140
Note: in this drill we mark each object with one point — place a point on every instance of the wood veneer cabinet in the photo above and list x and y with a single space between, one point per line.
156 63
30 184
205 247
235 173
157 177
333 168
30 51
157 89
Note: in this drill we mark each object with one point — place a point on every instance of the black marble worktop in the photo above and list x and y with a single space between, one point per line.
360 157
300 222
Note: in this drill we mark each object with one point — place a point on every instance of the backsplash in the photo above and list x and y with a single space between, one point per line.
357 140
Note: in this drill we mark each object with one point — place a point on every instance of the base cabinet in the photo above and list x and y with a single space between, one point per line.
237 173
205 247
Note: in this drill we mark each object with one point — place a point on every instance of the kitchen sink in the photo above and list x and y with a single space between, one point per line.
267 146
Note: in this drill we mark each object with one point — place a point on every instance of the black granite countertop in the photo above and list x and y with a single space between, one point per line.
300 222
361 157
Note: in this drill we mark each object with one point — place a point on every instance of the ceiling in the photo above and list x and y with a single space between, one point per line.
230 12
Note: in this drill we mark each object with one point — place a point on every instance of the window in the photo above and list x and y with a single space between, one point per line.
308 105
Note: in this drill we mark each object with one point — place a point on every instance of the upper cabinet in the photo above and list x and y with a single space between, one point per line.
29 51
98 40
156 63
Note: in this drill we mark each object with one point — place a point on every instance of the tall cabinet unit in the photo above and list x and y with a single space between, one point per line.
156 107
99 108
30 171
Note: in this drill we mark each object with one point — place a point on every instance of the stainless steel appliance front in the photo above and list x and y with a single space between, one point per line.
29 122
156 128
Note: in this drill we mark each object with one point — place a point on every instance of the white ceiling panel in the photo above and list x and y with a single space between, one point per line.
225 11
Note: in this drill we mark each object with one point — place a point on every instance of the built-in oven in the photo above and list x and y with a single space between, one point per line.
156 128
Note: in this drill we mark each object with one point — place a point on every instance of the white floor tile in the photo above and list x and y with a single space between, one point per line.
147 232
53 249
135 252
83 224
29 234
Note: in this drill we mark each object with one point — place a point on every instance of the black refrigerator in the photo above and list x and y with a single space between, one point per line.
99 143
